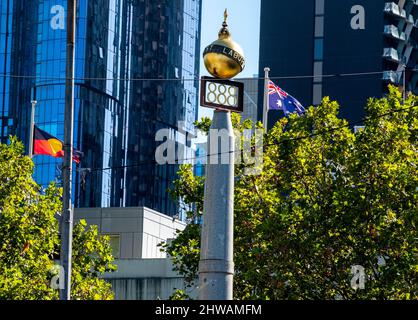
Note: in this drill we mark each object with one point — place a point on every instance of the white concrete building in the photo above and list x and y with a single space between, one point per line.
144 272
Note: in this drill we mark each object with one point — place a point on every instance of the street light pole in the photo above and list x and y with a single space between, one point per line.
32 127
67 216
404 83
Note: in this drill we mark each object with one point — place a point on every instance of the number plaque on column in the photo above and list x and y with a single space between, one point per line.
222 94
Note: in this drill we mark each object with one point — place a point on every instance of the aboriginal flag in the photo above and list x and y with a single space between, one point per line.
46 144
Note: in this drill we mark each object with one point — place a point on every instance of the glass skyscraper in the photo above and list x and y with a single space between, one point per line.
363 43
125 52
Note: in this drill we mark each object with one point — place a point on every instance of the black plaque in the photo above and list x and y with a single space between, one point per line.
222 94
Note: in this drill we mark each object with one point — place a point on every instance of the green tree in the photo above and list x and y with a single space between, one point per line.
29 237
327 199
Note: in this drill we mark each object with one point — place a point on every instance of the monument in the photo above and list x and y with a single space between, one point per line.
224 59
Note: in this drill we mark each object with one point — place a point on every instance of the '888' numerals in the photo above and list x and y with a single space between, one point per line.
222 94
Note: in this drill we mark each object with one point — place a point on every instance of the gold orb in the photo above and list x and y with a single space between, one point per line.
224 58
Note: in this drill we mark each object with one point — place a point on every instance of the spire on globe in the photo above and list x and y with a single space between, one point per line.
224 58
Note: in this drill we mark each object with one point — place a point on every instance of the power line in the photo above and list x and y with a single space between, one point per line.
186 160
95 78
197 78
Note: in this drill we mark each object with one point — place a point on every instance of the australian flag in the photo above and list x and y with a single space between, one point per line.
281 100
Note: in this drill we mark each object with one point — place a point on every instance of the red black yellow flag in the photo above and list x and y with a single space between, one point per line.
46 144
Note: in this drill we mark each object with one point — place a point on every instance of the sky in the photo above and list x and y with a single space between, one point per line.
244 25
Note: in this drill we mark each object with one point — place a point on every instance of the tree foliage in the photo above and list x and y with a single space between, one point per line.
327 199
29 237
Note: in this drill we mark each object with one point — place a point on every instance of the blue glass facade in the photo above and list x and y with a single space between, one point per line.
49 81
313 38
115 118
15 92
6 18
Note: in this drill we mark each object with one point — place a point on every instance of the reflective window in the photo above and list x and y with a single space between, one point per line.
319 49
114 120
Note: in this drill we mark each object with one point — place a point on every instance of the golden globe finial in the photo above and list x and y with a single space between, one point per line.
224 58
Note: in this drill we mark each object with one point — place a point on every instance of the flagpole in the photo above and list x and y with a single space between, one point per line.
32 127
67 214
266 98
404 82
